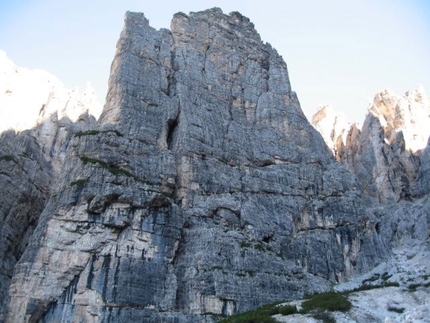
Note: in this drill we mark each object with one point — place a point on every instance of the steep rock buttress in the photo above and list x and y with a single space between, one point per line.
203 190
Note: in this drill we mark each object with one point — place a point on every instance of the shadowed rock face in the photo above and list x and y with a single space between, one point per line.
203 190
38 120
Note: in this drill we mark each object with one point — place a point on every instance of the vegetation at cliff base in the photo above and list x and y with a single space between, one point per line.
318 305
330 301
262 314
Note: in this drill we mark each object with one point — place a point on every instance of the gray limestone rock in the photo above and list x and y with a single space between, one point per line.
389 154
202 191
30 160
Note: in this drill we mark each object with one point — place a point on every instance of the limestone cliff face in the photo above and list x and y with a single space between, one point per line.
390 153
38 118
202 190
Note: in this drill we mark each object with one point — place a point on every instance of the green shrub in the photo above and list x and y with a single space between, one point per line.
260 315
329 301
96 132
250 318
364 287
390 284
79 182
385 276
399 310
287 309
114 170
371 279
369 287
324 316
244 244
413 287
8 158
251 272
259 247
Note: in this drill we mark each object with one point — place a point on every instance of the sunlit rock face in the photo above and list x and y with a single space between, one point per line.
332 126
201 191
38 119
30 97
390 153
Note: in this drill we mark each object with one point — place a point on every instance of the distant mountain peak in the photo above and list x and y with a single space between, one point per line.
28 97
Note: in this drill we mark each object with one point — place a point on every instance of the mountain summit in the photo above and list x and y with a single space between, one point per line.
202 190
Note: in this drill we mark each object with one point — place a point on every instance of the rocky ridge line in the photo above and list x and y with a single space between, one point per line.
390 153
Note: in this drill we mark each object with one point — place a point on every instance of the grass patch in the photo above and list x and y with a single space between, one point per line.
251 273
324 316
79 182
259 247
385 276
363 288
96 132
390 284
256 246
330 301
244 244
369 287
114 170
8 158
399 310
262 314
250 317
371 279
413 287
318 306
287 309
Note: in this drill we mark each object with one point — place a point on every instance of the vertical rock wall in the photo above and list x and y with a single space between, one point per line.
38 119
202 191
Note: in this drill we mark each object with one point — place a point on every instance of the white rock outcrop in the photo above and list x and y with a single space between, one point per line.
29 97
333 127
390 153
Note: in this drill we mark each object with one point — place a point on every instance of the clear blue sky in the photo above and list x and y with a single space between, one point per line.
338 52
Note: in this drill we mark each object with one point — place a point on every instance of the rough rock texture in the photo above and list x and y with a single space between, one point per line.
332 126
390 154
202 191
30 160
405 297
